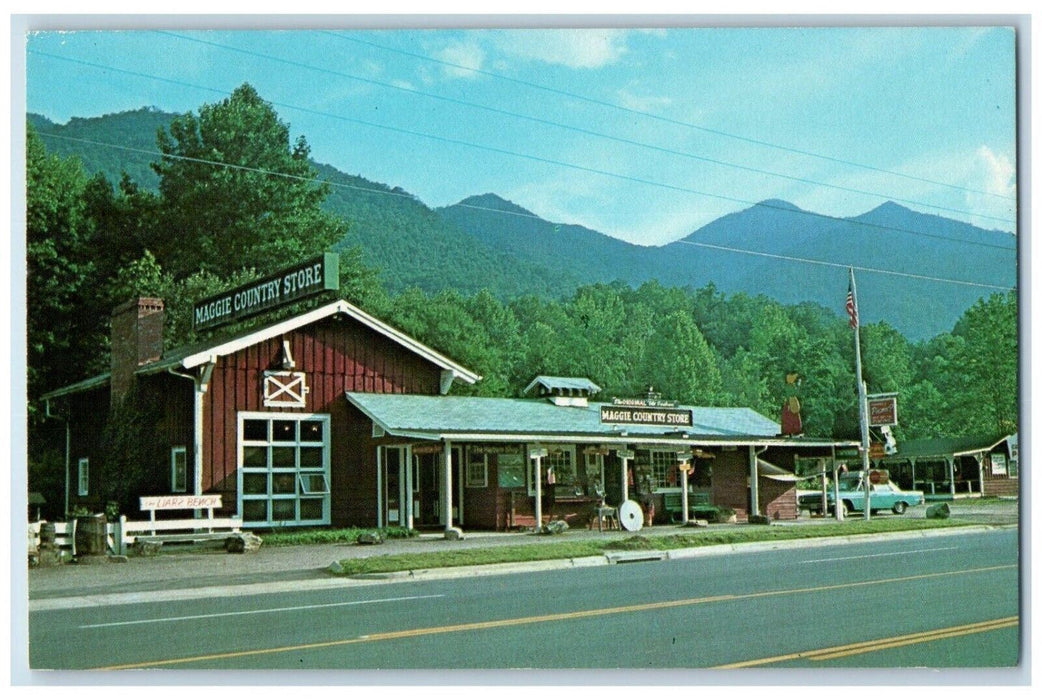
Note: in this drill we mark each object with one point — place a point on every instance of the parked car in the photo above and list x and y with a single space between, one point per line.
886 495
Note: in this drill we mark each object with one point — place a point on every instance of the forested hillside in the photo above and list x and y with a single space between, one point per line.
92 244
486 242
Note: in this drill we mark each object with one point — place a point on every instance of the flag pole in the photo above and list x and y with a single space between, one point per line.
862 400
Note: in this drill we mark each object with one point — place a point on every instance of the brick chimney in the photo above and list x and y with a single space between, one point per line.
137 338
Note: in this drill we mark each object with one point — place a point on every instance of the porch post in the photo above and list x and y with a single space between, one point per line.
754 483
951 475
446 501
409 516
538 492
624 457
683 457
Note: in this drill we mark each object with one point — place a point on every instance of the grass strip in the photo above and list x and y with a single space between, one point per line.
560 547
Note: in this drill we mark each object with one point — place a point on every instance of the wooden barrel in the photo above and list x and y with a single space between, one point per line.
90 534
47 534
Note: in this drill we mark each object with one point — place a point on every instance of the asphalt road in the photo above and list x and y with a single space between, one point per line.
938 602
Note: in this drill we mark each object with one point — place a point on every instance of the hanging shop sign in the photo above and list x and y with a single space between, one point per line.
629 415
319 274
882 409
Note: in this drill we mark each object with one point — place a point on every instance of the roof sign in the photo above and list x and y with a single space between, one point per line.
319 274
680 417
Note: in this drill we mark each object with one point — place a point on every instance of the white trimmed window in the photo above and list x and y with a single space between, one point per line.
594 474
561 458
662 466
83 476
178 469
284 469
477 469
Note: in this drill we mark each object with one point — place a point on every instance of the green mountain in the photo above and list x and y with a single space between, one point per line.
488 242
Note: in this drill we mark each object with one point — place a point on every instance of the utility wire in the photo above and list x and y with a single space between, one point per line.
232 166
657 117
539 159
577 129
826 263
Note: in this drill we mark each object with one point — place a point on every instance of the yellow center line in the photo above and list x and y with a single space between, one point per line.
880 644
537 619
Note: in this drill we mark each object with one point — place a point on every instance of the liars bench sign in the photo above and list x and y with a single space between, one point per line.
312 276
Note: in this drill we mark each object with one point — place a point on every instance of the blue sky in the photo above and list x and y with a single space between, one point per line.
643 134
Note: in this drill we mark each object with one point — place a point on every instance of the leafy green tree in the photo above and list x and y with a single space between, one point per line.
61 271
887 358
236 193
988 360
680 364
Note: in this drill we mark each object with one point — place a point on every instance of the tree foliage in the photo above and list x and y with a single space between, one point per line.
237 199
236 193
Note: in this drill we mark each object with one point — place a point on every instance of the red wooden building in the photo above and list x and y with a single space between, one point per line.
332 417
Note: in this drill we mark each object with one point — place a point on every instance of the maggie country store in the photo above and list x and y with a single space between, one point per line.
333 417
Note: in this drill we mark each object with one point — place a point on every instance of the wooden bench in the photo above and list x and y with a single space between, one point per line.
181 530
698 503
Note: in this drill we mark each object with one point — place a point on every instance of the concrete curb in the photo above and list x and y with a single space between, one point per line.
608 559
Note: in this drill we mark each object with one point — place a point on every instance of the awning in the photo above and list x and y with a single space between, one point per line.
775 473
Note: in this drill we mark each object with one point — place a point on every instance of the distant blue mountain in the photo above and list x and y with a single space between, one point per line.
765 249
486 241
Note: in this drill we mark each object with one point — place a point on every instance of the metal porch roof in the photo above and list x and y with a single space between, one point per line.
434 416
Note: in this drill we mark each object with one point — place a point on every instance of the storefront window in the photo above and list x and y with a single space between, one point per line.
83 476
562 461
284 469
662 469
477 469
178 470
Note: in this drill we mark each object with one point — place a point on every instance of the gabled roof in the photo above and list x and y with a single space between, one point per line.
480 418
563 384
191 356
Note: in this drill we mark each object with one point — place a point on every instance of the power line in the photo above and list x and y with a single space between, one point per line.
262 171
845 266
578 129
539 159
657 117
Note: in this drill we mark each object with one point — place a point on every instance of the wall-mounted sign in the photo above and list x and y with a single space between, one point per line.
312 276
675 417
179 502
882 409
625 454
644 403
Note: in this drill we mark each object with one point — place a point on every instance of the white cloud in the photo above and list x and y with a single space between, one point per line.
999 173
573 48
465 58
643 103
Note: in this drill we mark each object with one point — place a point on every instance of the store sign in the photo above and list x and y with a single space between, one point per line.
316 275
644 403
670 417
882 410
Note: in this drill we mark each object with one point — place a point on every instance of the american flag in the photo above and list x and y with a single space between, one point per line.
852 306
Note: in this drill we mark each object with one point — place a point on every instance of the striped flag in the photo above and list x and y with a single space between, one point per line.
852 306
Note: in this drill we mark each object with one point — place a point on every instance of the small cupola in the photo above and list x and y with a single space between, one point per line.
564 391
